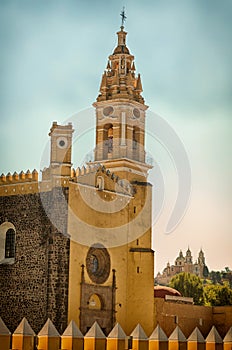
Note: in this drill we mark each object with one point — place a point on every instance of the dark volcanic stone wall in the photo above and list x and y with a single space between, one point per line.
36 285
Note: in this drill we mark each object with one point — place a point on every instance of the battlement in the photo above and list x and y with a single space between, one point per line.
82 174
19 178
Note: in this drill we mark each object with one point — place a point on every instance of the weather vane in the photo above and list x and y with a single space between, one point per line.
122 14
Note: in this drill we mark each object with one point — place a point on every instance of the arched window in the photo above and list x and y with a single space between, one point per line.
7 242
135 145
10 244
95 302
100 183
108 139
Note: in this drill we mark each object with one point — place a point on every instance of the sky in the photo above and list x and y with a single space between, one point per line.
53 54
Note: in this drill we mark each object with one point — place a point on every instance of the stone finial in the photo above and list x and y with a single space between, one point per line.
23 337
9 177
213 336
49 330
5 336
3 328
72 331
48 337
3 178
139 84
133 67
72 338
228 336
103 85
138 333
117 332
78 171
196 336
35 175
228 340
22 175
15 176
28 175
95 332
177 335
24 328
158 334
73 172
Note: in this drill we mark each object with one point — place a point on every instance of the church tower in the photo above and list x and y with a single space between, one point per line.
111 259
120 115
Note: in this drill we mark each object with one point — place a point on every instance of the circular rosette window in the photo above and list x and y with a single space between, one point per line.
107 111
98 263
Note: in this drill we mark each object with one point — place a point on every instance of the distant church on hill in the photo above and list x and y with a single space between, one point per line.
184 264
77 245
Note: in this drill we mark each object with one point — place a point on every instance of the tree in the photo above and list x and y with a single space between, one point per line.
189 285
217 295
215 276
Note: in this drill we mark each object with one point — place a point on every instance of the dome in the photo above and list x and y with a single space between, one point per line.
121 49
161 291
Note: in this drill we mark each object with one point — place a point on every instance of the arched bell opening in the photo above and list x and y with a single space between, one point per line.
136 142
108 140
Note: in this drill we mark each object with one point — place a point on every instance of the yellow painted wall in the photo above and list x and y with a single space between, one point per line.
134 269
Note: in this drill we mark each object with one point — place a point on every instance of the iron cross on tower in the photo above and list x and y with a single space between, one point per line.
123 15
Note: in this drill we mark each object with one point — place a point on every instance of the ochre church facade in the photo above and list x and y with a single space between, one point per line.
77 245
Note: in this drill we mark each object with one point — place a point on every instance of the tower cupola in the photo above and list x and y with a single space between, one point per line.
120 113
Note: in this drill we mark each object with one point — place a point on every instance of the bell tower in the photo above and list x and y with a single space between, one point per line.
61 149
112 261
120 115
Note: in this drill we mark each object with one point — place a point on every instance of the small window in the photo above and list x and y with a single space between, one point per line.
7 243
137 269
95 302
10 244
100 183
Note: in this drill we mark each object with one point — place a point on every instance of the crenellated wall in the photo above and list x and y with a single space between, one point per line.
48 338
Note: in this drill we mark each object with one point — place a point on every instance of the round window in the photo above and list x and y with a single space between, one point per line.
136 112
107 111
98 264
62 142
